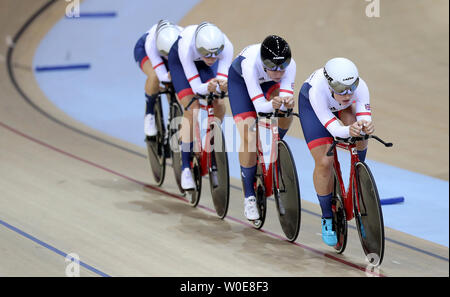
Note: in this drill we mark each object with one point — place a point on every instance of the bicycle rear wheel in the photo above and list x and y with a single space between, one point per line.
287 192
219 176
175 142
368 214
155 146
194 195
339 218
261 200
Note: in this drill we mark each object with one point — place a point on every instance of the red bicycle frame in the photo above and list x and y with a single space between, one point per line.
347 196
205 153
267 172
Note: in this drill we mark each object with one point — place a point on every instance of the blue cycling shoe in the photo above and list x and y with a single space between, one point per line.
328 235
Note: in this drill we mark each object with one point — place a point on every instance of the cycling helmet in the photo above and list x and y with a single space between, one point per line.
275 53
166 35
209 40
342 75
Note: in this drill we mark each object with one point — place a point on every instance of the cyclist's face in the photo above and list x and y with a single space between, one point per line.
343 99
275 75
209 61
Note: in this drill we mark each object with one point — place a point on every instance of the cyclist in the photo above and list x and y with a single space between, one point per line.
261 79
333 102
150 52
199 62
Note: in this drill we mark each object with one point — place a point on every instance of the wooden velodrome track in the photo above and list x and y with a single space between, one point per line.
66 188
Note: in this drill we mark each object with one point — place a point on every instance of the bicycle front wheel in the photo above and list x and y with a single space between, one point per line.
155 147
287 192
175 142
368 214
219 176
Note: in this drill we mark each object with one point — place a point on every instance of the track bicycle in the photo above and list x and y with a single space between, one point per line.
159 147
361 201
210 158
279 178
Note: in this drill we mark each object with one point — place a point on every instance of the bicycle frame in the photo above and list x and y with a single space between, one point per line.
347 195
205 152
267 172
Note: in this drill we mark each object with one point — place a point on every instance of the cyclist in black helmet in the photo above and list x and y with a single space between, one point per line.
260 79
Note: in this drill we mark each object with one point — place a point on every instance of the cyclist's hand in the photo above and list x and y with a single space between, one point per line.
212 85
368 127
288 102
277 102
223 85
356 128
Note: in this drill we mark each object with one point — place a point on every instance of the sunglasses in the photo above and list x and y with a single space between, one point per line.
269 65
342 89
207 54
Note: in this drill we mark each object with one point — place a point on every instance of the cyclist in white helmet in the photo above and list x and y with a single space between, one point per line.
199 62
333 102
151 53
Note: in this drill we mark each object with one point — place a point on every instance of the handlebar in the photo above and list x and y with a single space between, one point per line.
353 140
210 97
277 114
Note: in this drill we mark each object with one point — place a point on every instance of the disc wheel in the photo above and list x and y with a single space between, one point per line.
287 192
155 147
368 214
219 176
175 142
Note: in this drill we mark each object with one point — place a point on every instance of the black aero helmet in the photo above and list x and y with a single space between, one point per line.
275 53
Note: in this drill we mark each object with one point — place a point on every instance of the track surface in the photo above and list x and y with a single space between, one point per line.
69 189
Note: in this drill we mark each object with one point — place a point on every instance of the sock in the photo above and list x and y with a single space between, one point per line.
248 179
282 132
362 155
325 205
150 104
186 149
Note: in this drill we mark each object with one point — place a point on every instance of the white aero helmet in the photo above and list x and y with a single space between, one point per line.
166 35
209 40
342 75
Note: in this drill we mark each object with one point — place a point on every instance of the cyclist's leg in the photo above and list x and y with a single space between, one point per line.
319 141
244 115
184 94
348 117
151 85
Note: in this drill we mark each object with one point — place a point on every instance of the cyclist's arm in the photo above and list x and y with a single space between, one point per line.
363 111
325 116
156 59
186 55
254 88
224 59
287 82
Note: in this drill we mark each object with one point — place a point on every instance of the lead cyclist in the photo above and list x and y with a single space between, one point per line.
333 102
